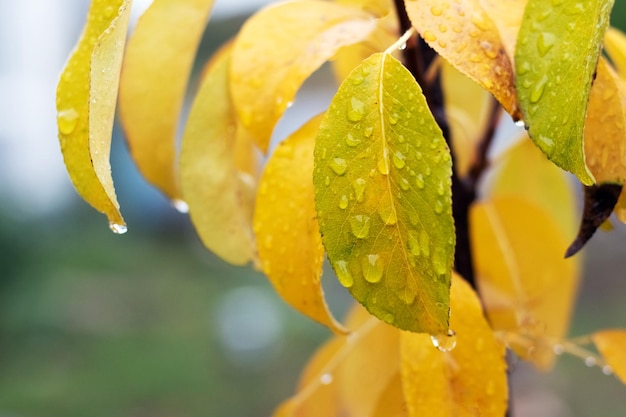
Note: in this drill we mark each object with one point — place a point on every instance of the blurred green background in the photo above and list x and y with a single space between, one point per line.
151 324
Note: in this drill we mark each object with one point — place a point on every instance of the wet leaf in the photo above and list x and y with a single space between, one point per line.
468 109
157 64
285 224
271 61
464 34
379 8
507 16
85 103
218 189
557 51
391 402
526 286
382 192
615 44
468 380
611 344
599 203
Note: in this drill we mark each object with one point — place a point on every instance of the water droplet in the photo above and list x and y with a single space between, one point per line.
399 160
414 246
439 262
360 225
590 361
545 42
441 189
339 166
323 153
358 186
558 349
607 370
118 229
343 274
404 184
520 123
444 342
418 156
393 118
356 110
479 21
327 181
425 243
383 163
387 213
368 131
67 121
372 268
545 143
343 202
436 11
352 141
356 79
438 207
326 379
429 36
180 206
419 181
537 92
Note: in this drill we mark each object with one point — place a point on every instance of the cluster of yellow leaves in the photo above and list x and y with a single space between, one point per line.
369 182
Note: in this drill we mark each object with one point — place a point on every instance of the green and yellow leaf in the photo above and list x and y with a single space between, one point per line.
218 175
464 34
468 380
158 60
86 97
556 56
382 192
527 288
611 344
286 227
279 48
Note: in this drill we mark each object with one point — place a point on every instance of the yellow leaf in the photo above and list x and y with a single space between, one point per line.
382 192
391 402
279 48
470 379
557 51
285 224
507 16
86 97
465 35
605 130
611 345
157 64
377 7
615 44
219 191
468 109
527 287
525 173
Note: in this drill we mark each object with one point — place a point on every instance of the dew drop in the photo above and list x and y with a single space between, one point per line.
326 379
439 262
590 361
393 118
352 141
372 268
387 213
356 79
118 229
545 42
441 189
327 181
537 92
404 184
356 110
343 202
368 131
429 36
67 121
399 160
419 181
414 246
180 206
436 11
383 163
520 123
479 21
358 186
545 143
343 274
438 207
339 166
360 225
444 342
607 370
558 349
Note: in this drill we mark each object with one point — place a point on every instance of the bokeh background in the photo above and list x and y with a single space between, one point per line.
152 324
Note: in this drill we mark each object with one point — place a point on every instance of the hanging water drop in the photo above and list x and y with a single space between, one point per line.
368 131
118 229
372 267
343 274
180 206
590 361
607 370
444 342
326 379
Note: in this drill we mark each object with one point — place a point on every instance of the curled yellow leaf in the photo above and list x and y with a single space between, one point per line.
528 289
279 48
217 185
285 224
468 380
157 64
86 97
464 34
611 344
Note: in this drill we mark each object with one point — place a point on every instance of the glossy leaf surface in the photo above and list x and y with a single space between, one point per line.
285 225
470 379
556 56
527 287
464 34
86 97
611 344
382 191
157 64
271 61
218 188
